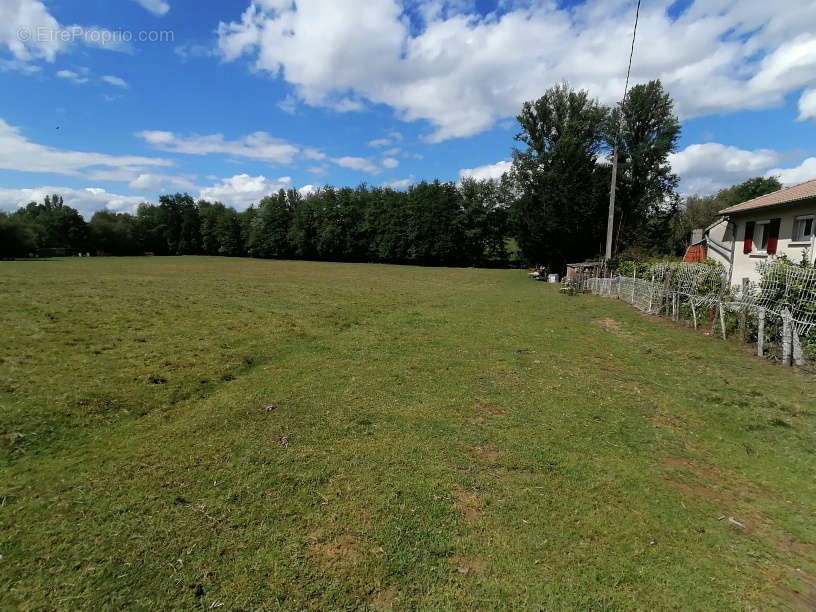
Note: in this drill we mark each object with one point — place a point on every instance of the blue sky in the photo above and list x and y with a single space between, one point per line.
247 97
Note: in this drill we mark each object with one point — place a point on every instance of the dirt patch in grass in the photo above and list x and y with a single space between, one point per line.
485 453
611 325
384 599
798 596
335 551
663 420
734 496
484 410
469 503
468 565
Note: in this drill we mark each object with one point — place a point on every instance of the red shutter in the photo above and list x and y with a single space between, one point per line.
773 235
749 236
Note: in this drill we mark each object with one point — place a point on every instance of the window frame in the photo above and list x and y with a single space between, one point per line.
803 239
758 247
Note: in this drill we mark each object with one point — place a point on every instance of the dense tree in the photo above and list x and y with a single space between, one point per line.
485 204
558 215
646 131
269 229
181 222
114 233
56 225
18 237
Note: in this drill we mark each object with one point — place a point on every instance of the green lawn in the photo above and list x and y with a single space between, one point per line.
441 438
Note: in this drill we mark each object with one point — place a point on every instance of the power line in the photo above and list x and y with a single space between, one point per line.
611 221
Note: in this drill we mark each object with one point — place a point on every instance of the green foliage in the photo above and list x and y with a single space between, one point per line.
558 216
57 225
645 198
18 238
114 233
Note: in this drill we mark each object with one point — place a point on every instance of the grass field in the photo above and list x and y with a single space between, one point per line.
440 438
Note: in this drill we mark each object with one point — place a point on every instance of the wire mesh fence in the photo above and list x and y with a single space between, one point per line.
777 313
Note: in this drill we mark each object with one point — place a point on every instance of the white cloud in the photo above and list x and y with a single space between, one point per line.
490 171
242 190
31 33
361 164
22 20
314 154
393 138
86 201
260 145
115 81
706 168
162 182
288 104
18 153
72 76
807 105
157 7
390 162
16 65
307 190
400 183
463 71
806 171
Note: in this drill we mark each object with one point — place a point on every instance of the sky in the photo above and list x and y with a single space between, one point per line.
115 102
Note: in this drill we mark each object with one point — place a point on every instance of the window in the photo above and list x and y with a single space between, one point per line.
761 235
803 228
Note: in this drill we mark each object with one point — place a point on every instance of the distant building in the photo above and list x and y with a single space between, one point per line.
697 252
751 232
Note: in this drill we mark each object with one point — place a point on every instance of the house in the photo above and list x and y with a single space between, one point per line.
749 233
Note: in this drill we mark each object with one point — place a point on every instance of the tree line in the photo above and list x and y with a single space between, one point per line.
549 209
429 224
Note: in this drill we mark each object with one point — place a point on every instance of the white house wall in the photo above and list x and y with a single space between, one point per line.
745 265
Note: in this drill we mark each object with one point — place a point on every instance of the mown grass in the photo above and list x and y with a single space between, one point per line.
439 439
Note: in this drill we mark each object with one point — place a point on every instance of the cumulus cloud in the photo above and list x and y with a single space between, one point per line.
307 190
86 201
242 190
31 33
162 182
157 7
18 153
361 164
404 183
807 105
806 171
390 162
706 168
259 146
115 81
490 171
28 17
462 71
